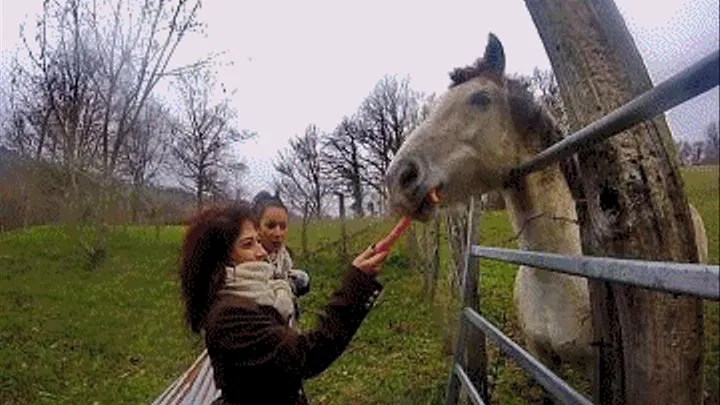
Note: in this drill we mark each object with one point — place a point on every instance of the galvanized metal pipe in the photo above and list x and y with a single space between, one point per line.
691 82
698 280
465 380
452 394
552 383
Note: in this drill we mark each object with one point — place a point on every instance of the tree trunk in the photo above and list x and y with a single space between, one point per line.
358 197
199 194
633 205
134 205
343 231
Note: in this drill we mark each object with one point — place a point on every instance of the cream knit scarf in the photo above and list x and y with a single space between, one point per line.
254 280
282 262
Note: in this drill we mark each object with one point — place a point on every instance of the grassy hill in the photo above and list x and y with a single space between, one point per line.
114 334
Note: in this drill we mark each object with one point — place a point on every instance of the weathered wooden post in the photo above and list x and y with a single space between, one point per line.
434 269
631 204
413 247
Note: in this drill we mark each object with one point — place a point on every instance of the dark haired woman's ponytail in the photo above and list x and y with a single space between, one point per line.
264 200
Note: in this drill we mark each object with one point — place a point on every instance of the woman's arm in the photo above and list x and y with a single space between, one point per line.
257 338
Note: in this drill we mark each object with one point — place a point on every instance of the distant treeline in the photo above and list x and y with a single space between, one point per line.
703 152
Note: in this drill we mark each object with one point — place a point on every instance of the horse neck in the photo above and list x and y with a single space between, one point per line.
542 212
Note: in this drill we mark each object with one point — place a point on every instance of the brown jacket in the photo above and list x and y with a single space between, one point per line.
258 359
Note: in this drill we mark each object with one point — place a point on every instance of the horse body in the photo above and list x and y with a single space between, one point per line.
553 308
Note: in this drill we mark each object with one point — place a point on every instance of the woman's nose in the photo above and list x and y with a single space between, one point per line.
260 251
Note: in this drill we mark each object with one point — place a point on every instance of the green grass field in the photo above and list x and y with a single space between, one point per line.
114 334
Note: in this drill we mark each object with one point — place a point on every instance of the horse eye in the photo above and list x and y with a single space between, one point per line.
480 99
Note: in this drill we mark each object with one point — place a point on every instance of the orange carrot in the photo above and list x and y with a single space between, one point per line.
433 197
392 237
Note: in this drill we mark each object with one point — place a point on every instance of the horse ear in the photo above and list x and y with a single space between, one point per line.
494 58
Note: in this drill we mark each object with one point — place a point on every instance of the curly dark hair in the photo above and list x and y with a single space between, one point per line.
206 250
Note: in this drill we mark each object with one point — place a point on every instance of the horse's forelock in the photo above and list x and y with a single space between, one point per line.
461 75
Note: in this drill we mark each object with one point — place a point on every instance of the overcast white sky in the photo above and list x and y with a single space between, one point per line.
301 62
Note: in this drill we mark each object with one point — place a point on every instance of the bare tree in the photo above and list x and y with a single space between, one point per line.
343 161
95 76
24 117
697 152
387 115
134 53
203 137
93 66
684 152
145 152
712 144
64 118
23 127
301 173
235 188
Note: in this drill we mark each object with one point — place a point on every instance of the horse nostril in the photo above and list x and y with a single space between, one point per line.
409 174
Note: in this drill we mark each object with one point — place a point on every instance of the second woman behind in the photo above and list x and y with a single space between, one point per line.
273 219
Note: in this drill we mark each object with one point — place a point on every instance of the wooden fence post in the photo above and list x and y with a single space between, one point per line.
343 230
434 272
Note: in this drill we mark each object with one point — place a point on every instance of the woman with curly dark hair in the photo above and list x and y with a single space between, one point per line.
231 298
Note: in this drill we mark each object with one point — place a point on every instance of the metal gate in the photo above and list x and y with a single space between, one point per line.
697 280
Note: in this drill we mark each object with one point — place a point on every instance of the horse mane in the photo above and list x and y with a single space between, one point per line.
531 118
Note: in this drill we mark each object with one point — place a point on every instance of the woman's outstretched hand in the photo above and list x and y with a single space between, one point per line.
370 260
